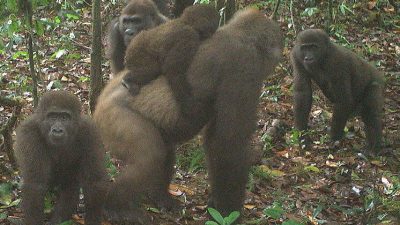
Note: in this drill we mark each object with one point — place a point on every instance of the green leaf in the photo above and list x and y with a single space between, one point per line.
291 222
154 210
211 223
204 1
68 222
72 16
39 27
310 11
3 216
232 217
59 53
12 6
312 169
57 20
275 212
216 215
6 194
317 211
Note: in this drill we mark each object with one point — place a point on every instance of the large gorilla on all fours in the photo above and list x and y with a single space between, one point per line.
58 148
353 85
225 80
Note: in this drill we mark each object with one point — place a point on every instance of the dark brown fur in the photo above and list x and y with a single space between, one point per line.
227 74
169 48
143 129
180 5
350 83
138 15
67 162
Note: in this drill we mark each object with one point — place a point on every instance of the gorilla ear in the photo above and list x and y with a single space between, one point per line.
160 19
115 26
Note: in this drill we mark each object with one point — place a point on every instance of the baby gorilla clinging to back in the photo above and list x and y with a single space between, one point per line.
169 48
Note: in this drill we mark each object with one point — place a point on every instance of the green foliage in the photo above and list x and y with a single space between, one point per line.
206 2
13 21
193 160
58 54
263 4
294 137
312 168
68 222
272 92
111 168
49 201
310 11
267 140
6 195
277 212
258 172
291 222
20 55
233 216
343 8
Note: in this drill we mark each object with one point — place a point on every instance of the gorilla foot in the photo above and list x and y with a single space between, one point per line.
127 216
165 202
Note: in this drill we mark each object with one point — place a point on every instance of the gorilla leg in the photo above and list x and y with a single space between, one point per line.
141 146
66 203
227 140
371 114
33 202
160 196
228 170
341 113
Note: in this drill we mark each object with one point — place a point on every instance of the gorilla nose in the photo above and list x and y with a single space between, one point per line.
57 131
129 32
125 83
308 59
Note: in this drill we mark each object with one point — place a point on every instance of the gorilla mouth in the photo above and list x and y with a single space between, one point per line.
57 140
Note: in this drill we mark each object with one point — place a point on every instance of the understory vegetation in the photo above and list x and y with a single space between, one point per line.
288 184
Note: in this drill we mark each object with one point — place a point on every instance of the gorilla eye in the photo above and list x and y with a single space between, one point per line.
132 19
52 116
309 47
65 116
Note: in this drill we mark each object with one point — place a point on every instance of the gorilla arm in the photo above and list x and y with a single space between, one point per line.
93 172
29 147
302 96
116 48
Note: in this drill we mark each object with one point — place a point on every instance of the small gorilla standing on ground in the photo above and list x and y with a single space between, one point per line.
143 130
57 148
350 83
137 16
169 48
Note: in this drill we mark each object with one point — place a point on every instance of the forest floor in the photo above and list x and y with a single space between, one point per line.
318 185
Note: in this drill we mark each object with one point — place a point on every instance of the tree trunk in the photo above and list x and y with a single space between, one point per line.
27 5
96 79
275 13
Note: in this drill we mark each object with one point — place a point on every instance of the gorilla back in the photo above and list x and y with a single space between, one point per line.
143 129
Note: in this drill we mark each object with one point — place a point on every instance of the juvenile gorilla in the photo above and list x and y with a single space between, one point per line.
57 148
169 48
137 16
143 130
350 83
